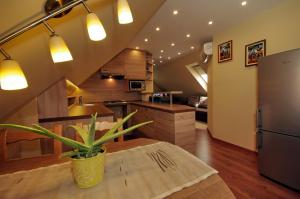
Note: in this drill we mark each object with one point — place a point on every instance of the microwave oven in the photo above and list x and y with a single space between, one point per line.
136 85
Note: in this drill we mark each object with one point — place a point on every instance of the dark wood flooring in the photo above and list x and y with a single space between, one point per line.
238 168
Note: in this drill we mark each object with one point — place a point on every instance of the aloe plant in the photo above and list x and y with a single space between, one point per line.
89 147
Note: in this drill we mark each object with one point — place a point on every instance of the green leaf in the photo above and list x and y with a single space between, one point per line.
91 135
69 154
106 138
118 125
92 129
82 132
42 131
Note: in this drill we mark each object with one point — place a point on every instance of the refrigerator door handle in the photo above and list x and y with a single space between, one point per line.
259 140
258 119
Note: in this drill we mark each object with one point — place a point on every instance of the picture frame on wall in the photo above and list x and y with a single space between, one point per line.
254 51
225 51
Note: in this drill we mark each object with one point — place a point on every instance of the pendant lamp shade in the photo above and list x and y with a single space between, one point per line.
12 76
59 50
124 12
95 28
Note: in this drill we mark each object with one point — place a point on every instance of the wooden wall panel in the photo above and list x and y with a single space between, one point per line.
53 102
96 89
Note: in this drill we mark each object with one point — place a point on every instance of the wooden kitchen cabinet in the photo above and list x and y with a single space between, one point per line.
174 124
135 64
130 62
115 66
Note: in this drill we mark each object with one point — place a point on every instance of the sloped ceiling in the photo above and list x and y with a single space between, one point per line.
32 52
174 76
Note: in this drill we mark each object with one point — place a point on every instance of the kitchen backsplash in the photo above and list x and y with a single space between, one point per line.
96 89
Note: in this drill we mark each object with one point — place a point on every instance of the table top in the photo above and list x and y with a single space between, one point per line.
82 112
175 108
211 188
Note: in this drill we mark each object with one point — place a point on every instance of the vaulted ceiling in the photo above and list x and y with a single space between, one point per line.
191 18
31 48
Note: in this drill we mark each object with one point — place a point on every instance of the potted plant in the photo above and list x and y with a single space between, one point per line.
88 156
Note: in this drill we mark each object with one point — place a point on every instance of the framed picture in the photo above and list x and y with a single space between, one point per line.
225 51
254 51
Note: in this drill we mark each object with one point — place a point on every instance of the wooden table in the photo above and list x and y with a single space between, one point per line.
211 188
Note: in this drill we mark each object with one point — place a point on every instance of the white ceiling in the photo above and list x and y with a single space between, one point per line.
192 18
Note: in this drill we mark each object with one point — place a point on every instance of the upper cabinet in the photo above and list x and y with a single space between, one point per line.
135 64
130 63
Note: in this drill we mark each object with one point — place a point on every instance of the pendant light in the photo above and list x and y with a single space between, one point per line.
124 12
58 48
11 74
95 28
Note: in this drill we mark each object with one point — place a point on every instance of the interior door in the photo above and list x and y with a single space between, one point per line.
279 92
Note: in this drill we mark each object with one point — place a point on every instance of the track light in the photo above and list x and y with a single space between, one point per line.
58 48
95 28
124 12
11 74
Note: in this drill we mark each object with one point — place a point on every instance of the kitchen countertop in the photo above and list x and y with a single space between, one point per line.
175 108
82 112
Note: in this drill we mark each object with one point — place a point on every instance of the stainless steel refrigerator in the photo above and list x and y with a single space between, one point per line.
278 117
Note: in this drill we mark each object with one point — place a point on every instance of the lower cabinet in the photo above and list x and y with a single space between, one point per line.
176 128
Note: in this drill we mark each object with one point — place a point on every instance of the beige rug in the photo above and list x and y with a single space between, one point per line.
152 171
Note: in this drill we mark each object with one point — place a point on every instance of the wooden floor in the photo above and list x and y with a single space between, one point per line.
238 168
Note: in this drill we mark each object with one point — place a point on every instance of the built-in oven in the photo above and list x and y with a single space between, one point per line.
136 85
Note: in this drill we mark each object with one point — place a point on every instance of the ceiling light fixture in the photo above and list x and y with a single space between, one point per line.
169 58
172 44
188 35
58 48
95 28
192 47
146 40
179 53
137 47
244 3
175 12
160 57
124 12
162 51
11 74
210 22
160 61
157 28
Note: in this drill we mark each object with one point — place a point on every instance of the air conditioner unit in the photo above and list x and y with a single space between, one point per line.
208 48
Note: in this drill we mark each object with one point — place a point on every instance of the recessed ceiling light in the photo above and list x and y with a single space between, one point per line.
160 57
161 51
160 61
137 47
172 44
210 22
157 28
175 12
179 53
146 40
244 3
169 58
188 35
192 47
154 64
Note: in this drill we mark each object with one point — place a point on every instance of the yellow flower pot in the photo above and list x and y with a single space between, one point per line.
88 172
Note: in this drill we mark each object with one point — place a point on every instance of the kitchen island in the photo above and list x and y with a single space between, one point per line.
171 123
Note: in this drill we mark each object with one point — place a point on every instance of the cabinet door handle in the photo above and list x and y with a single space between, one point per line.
258 118
259 140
